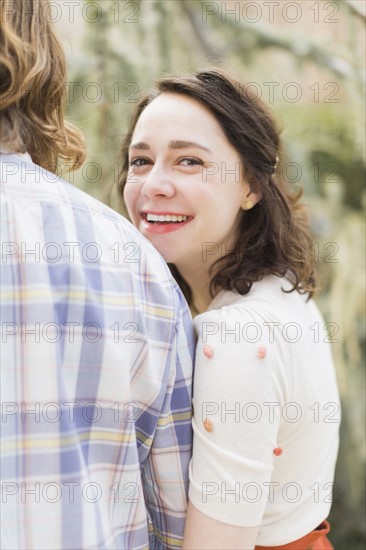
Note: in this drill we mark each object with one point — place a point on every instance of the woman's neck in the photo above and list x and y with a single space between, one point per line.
199 283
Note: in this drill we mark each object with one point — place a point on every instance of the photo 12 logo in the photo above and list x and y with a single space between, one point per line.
253 12
91 11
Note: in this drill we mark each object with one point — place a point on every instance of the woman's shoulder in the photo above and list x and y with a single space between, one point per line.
237 336
267 314
268 298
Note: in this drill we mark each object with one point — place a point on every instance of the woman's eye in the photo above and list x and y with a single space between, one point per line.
190 161
139 162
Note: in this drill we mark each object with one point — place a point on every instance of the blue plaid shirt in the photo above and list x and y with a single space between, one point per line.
97 352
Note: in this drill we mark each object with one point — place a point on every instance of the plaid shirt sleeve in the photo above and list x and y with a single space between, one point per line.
97 353
163 485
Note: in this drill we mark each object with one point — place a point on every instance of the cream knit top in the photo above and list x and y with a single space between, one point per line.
266 412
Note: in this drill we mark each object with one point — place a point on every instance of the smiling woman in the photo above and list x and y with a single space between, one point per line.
184 179
221 143
199 181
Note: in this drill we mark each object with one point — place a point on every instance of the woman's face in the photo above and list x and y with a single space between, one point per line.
185 188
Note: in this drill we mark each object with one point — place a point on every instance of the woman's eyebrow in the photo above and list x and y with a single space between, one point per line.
180 144
140 145
176 144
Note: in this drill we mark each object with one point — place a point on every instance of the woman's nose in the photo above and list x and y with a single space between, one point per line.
158 182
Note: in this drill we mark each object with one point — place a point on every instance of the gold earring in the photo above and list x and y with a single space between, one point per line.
248 205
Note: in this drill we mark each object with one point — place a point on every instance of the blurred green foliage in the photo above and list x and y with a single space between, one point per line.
126 45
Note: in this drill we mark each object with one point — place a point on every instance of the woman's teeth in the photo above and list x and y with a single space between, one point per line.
160 218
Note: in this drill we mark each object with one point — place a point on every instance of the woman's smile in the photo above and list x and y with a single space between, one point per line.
164 222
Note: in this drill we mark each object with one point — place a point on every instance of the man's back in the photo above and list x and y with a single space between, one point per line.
97 349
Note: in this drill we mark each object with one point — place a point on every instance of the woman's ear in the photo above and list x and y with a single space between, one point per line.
251 200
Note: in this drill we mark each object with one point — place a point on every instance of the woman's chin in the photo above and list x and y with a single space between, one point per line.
169 251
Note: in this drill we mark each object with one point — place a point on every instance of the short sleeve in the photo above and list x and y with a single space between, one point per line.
240 388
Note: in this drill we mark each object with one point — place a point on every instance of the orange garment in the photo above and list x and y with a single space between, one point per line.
316 540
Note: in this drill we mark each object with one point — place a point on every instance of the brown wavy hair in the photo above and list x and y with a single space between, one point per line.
32 87
272 237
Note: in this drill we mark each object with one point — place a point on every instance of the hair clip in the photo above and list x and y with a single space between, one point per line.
275 165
